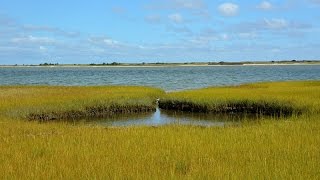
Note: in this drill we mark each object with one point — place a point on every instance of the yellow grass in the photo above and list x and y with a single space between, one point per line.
296 97
265 149
75 102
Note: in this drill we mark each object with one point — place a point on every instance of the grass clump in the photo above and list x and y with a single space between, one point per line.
72 103
275 99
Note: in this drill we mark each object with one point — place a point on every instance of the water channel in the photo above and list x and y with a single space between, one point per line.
164 117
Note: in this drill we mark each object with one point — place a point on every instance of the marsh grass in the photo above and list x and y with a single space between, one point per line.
72 103
91 112
269 148
266 149
275 99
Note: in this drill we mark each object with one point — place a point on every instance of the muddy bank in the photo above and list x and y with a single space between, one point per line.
237 107
91 112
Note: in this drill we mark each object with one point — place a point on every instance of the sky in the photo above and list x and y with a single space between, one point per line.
97 31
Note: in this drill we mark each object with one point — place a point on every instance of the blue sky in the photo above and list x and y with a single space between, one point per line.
96 31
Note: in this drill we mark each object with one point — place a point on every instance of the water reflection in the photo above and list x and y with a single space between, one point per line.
163 117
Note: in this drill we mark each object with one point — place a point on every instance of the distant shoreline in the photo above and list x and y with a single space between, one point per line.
191 64
162 65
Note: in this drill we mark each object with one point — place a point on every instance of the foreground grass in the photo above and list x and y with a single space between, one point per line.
264 149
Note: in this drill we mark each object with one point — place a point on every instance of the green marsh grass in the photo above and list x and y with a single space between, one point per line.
266 149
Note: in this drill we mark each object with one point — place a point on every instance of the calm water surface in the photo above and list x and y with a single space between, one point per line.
163 117
167 78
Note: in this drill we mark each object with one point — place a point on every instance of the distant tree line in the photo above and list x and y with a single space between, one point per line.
49 64
106 64
225 63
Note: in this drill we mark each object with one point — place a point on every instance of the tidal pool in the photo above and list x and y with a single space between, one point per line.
164 117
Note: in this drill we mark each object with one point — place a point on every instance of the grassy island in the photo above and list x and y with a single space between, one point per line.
72 103
276 99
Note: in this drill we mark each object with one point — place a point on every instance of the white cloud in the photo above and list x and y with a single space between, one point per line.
275 27
224 36
110 42
228 9
176 18
42 48
204 38
207 37
105 41
33 39
265 5
52 30
276 23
